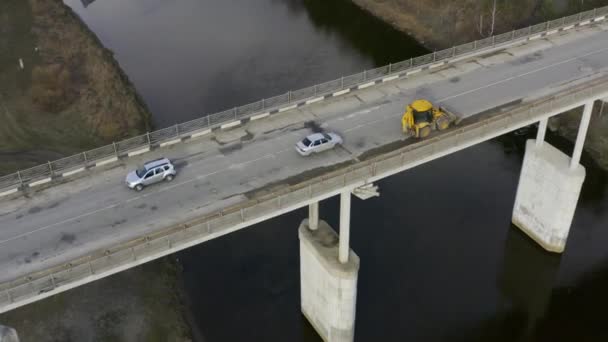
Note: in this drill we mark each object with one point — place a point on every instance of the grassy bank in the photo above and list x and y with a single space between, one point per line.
141 304
60 90
440 24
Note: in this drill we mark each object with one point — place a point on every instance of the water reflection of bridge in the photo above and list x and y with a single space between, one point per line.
86 3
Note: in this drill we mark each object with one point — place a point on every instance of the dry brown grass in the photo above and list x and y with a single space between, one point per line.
440 24
71 95
51 87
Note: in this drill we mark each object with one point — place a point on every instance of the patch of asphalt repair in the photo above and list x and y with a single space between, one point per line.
538 55
492 54
499 109
118 222
34 210
180 163
230 148
455 79
304 176
248 136
296 179
33 256
68 238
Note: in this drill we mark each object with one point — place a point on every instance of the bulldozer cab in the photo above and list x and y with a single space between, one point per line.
420 117
422 111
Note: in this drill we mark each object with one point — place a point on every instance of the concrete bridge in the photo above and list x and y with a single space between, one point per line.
82 224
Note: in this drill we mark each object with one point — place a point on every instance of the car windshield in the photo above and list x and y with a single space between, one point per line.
326 136
306 142
140 172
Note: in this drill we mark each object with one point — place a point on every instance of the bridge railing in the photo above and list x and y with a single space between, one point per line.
122 256
66 166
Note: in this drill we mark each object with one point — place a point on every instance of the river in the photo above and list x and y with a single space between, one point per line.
439 258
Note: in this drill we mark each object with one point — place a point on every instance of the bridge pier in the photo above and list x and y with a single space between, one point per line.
328 274
549 187
8 334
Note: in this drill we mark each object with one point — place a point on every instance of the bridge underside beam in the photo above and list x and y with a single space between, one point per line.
328 287
547 195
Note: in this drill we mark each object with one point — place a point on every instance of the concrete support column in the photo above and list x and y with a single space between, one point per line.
8 334
328 287
344 226
542 130
313 215
547 195
582 133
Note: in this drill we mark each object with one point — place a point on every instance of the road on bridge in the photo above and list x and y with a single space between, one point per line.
72 219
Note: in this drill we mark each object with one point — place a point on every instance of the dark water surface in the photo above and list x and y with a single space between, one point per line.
439 259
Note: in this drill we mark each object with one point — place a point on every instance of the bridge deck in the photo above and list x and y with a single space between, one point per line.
96 211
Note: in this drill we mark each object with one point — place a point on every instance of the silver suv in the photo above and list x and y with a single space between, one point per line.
152 172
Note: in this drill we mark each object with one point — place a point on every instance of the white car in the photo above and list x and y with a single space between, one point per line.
318 142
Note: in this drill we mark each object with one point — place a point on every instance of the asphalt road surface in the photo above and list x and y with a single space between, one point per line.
68 220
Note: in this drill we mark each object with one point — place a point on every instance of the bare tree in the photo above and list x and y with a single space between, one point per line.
489 31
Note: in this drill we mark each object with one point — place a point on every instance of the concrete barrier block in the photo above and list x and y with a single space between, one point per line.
436 65
40 182
315 100
386 79
231 124
138 152
413 72
106 161
200 134
363 86
170 142
73 172
341 92
8 192
260 116
284 109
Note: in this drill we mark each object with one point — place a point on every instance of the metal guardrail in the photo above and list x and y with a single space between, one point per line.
86 159
106 262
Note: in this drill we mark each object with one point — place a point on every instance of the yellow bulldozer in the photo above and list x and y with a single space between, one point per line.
420 118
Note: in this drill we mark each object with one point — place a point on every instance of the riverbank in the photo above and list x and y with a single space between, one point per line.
140 304
439 25
61 91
